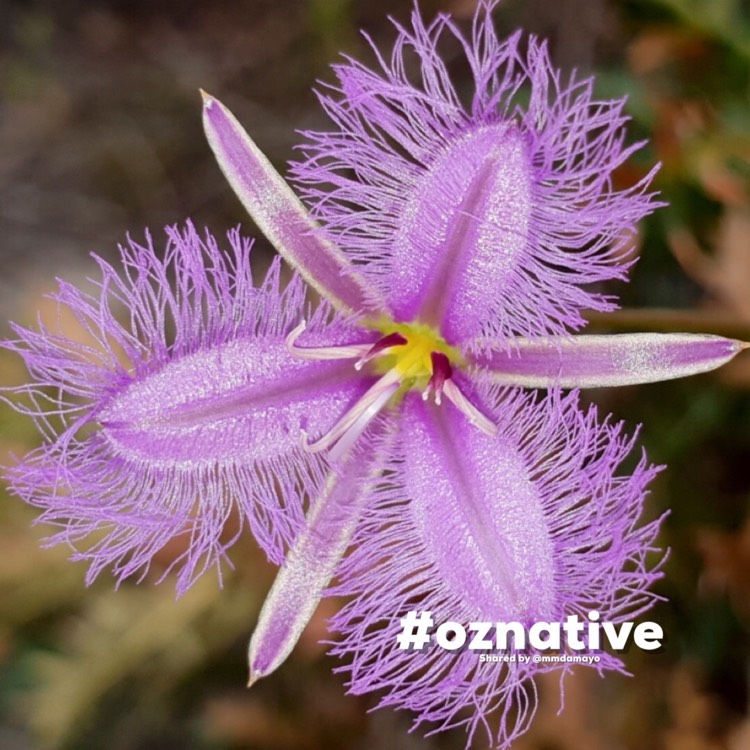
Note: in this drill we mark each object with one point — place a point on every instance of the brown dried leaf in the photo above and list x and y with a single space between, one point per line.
726 561
726 275
695 714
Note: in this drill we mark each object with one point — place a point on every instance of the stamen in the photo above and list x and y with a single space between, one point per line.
358 426
353 423
349 351
452 391
416 361
387 342
441 373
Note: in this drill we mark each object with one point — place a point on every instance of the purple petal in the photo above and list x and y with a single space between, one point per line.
279 214
153 435
536 523
469 210
603 361
493 220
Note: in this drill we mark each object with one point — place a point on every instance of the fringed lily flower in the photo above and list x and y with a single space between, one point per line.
455 247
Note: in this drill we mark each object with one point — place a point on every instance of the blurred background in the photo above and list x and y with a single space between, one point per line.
100 135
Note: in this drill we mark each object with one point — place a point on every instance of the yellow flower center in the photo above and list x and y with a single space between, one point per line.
407 356
413 359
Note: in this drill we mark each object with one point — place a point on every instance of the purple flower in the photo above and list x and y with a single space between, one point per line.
455 248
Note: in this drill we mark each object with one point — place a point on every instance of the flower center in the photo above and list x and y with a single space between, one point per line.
413 356
409 356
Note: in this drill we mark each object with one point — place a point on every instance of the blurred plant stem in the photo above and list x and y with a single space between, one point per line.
664 320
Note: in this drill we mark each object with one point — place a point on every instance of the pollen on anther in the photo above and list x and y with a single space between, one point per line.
381 346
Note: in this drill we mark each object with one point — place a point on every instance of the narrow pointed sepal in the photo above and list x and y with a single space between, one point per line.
278 212
315 555
604 361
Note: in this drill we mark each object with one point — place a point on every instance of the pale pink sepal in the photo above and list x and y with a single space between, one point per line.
312 561
279 214
603 361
